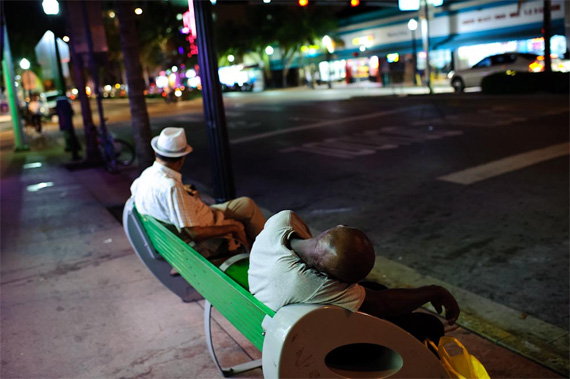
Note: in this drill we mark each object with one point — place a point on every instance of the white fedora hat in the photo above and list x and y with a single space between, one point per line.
171 143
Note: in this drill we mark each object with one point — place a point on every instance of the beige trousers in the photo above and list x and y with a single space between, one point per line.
244 210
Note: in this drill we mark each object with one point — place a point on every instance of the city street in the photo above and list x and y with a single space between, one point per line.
466 191
441 129
386 165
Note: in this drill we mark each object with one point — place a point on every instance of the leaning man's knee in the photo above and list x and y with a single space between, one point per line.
246 202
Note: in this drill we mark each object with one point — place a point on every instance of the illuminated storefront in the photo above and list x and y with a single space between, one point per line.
461 34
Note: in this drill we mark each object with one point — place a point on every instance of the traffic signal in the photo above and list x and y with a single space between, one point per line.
303 3
354 3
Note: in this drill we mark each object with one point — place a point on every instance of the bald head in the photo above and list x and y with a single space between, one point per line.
344 253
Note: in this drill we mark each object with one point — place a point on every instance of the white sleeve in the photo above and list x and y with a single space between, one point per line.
344 295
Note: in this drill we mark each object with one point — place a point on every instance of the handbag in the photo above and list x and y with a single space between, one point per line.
460 366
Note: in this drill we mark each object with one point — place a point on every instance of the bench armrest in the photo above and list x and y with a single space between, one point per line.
300 337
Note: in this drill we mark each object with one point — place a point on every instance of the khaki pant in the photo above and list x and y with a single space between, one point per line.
244 210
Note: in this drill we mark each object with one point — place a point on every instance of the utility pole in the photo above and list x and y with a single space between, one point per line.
214 113
547 28
424 8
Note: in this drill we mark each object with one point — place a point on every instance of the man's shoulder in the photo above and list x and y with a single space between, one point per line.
155 175
288 220
286 217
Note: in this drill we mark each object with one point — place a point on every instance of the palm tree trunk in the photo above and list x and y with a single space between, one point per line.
131 56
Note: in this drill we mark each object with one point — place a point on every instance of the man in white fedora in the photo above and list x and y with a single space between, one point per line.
159 193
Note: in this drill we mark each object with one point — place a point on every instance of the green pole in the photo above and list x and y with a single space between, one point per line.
8 69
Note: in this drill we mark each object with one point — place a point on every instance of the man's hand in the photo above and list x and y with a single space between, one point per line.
443 299
191 189
240 235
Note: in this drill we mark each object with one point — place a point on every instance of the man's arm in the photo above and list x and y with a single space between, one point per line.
200 233
399 301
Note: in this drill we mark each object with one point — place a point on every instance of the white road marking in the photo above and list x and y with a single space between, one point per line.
502 166
334 210
321 125
369 142
480 119
337 143
319 150
420 135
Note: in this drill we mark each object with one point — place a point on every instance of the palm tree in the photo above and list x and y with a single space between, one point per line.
131 55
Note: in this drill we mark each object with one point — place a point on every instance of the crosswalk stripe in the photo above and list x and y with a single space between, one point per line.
322 124
505 165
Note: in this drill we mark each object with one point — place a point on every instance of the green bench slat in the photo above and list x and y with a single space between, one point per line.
238 272
232 300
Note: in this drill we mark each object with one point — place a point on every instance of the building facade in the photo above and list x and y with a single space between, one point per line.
380 46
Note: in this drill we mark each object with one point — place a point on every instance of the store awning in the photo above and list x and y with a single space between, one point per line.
514 33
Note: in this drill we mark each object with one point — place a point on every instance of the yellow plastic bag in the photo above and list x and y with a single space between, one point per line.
460 366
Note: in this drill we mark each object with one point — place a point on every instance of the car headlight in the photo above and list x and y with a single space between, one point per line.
450 74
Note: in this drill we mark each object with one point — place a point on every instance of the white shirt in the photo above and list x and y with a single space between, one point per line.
159 193
277 276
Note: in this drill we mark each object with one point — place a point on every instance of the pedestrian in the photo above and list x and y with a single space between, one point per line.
309 77
34 110
65 116
288 265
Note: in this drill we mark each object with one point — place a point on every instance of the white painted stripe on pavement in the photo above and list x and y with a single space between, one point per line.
502 166
321 125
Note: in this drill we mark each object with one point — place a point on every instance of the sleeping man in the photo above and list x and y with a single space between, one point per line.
288 266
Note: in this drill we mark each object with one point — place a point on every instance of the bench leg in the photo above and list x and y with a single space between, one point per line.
230 371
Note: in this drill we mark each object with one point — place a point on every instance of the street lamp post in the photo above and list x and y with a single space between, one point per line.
26 76
51 7
424 8
413 25
64 111
328 43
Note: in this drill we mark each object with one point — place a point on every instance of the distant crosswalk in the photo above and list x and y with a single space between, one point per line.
369 142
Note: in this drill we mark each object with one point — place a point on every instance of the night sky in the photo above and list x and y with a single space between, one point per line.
27 22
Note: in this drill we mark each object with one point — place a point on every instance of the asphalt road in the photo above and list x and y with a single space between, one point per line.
394 167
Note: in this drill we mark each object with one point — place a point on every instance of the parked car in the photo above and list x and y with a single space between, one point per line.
472 77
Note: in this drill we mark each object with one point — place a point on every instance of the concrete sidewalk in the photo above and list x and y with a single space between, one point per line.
77 302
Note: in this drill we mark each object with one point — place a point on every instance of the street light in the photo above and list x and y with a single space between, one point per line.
413 26
25 64
51 7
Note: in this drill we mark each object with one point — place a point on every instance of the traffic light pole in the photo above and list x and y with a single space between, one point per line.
214 113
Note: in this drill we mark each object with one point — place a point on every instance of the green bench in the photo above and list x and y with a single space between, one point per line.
301 340
225 287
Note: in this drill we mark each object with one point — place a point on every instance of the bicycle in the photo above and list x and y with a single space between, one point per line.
115 152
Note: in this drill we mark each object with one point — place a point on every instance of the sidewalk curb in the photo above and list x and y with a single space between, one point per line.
541 342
